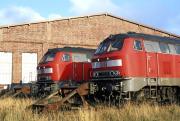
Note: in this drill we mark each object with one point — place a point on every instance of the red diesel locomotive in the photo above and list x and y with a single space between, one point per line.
137 66
131 66
64 66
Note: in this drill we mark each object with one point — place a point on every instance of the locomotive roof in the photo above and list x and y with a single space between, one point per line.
151 37
73 49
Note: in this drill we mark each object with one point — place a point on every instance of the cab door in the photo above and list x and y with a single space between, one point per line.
78 66
78 71
151 49
152 68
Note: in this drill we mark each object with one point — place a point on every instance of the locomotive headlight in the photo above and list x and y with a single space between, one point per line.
114 73
95 74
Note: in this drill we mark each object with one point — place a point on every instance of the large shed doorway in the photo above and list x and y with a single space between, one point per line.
5 68
29 64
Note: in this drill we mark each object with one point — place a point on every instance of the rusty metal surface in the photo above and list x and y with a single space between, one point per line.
55 105
19 91
7 93
83 89
49 99
26 89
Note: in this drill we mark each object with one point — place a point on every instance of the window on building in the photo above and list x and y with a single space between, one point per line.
177 49
164 47
137 45
66 57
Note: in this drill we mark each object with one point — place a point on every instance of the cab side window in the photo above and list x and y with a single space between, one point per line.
78 57
66 57
164 47
177 49
151 46
137 45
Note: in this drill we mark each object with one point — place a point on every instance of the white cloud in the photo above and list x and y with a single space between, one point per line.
19 14
92 6
14 15
160 14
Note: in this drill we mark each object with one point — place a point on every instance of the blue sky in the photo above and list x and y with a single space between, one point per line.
162 14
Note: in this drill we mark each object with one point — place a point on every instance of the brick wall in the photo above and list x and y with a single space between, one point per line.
77 32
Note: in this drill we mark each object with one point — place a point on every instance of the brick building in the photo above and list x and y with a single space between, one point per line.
22 46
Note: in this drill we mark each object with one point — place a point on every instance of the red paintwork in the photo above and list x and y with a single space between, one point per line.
151 64
140 63
65 71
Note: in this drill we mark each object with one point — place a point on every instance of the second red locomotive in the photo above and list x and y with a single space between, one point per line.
137 66
63 67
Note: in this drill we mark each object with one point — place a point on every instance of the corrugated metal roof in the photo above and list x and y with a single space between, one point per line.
99 14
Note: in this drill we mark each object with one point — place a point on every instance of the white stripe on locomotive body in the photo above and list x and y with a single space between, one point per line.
113 63
109 63
48 70
45 71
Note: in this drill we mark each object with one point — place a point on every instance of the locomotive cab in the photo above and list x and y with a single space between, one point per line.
119 57
108 65
107 61
64 65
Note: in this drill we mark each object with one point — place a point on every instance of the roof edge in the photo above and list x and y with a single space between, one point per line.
144 25
92 15
60 19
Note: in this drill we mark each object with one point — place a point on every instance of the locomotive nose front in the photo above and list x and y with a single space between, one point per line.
106 68
107 65
44 73
46 68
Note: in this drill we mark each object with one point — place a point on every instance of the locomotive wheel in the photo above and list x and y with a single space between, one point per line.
141 96
169 95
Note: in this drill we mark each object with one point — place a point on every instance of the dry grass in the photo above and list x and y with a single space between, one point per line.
14 110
